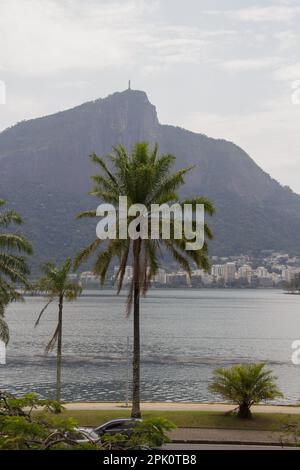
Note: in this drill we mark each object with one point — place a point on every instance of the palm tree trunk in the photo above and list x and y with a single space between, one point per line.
244 411
136 410
59 350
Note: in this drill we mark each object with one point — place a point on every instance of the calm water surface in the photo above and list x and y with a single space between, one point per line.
186 334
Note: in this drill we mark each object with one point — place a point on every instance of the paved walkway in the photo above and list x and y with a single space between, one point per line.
226 436
166 406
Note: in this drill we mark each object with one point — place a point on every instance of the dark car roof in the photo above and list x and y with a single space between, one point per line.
117 421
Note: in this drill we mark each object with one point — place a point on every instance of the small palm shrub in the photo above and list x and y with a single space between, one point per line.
245 385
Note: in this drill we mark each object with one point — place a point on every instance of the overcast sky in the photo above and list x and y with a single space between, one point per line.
221 67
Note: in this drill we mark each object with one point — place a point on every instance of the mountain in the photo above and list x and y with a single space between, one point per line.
45 175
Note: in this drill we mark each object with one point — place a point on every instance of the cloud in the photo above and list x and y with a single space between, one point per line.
287 40
249 64
45 37
289 72
274 13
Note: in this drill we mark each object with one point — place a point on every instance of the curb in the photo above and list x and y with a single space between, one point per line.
231 442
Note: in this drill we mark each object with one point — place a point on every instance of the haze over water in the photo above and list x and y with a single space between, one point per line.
186 334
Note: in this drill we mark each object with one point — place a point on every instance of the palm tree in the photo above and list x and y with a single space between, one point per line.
56 284
4 330
145 178
13 266
245 384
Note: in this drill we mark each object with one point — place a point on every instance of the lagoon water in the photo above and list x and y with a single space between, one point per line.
186 334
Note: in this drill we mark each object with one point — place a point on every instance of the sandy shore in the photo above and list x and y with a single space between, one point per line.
168 406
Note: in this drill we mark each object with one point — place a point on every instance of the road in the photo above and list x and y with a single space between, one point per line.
224 447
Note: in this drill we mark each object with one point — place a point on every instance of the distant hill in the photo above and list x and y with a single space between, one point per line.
45 175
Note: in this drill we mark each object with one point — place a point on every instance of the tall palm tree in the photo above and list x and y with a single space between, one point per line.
13 265
145 178
56 285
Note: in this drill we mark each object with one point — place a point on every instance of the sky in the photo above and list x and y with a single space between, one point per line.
225 68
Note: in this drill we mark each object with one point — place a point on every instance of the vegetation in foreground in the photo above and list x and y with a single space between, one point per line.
21 428
32 424
245 385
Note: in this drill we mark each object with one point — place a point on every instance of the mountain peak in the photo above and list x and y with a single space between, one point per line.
130 110
130 96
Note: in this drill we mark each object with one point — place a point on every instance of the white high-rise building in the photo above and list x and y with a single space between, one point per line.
262 272
218 271
229 272
245 272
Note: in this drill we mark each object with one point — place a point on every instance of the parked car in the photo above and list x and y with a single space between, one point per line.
83 435
115 426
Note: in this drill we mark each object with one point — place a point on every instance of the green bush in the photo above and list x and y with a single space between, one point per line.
30 423
245 385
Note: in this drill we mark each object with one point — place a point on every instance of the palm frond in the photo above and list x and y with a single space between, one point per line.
72 291
170 184
104 258
9 217
51 344
4 331
91 213
178 256
42 312
122 268
84 254
13 241
99 161
145 178
14 262
208 205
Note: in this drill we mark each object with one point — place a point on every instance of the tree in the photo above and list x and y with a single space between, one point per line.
28 423
145 178
246 385
56 284
13 265
151 432
145 434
